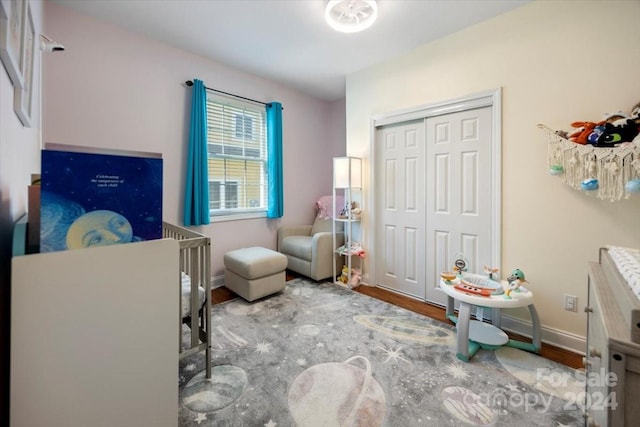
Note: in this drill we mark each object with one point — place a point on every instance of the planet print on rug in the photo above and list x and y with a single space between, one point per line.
309 330
321 355
227 383
540 373
337 394
407 330
242 308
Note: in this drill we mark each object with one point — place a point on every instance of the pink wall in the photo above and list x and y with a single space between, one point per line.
115 88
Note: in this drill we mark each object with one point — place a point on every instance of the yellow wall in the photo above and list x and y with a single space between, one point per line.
556 62
238 171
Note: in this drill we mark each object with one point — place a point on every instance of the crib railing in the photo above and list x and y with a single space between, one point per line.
195 261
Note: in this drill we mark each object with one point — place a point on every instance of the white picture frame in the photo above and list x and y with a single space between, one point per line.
11 22
23 95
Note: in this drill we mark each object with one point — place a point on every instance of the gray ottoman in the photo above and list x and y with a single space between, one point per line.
254 272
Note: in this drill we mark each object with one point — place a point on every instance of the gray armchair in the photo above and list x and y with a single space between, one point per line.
309 248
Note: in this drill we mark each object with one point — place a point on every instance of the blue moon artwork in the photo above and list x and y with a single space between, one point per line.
99 228
91 199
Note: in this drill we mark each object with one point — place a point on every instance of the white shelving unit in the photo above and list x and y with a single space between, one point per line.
347 182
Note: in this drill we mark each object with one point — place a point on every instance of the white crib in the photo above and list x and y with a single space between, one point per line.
195 281
80 333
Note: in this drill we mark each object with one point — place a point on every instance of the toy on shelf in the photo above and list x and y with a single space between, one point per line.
356 276
352 248
355 213
344 277
514 281
350 278
350 212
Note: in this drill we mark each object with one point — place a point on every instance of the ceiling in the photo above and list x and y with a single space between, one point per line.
288 41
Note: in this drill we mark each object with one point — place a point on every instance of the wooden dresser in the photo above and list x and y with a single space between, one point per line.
613 347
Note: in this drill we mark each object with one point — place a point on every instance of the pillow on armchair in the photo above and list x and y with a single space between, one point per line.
324 206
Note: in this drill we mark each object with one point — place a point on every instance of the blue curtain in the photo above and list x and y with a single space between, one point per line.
196 194
274 169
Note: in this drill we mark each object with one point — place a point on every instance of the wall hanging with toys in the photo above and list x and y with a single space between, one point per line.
598 157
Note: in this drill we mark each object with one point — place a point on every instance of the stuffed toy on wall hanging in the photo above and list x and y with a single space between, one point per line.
623 131
581 132
609 166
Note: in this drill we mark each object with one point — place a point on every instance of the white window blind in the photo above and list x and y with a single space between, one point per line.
237 146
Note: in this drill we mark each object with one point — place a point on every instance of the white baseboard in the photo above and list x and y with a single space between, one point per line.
556 337
217 281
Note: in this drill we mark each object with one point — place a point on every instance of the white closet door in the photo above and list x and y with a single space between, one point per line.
399 184
459 199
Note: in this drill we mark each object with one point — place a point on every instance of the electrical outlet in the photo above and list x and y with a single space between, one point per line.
570 303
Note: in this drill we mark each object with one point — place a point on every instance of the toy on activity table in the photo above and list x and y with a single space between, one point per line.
460 265
448 276
490 271
515 280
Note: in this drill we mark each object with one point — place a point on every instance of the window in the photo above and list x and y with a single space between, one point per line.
223 195
237 148
244 126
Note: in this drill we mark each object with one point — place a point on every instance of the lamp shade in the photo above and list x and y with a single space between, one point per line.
347 172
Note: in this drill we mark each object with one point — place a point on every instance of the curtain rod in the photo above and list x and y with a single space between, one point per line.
190 83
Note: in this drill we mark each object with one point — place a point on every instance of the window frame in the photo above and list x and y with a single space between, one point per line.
223 194
233 143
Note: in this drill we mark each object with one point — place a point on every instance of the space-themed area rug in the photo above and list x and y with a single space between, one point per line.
318 354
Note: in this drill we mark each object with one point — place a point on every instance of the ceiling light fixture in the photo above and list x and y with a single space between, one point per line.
351 16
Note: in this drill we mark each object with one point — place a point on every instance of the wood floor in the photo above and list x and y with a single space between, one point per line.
551 352
556 354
